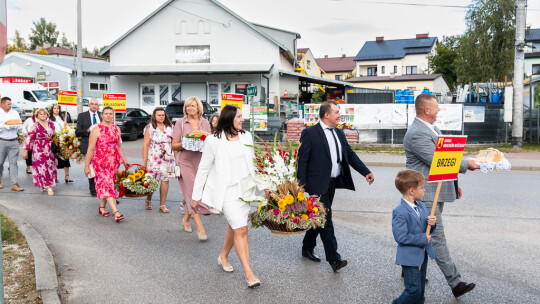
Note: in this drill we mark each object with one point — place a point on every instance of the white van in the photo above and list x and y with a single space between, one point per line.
27 96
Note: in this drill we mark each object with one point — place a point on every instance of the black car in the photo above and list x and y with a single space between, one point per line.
132 122
175 110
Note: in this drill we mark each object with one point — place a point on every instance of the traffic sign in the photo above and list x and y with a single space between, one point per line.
251 91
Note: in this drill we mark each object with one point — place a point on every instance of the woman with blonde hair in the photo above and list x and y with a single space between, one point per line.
189 161
39 141
157 153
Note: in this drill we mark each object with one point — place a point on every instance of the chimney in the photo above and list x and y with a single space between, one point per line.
420 36
343 55
325 56
381 38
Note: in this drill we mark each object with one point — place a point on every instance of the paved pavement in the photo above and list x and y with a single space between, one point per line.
492 232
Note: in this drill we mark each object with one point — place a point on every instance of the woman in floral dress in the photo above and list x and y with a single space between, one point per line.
39 141
158 158
106 154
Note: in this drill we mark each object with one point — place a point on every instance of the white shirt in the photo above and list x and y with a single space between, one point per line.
430 126
414 207
92 117
336 168
8 132
58 123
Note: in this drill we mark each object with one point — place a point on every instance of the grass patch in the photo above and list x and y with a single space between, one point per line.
10 232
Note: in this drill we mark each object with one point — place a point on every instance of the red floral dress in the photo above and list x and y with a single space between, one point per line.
106 161
44 162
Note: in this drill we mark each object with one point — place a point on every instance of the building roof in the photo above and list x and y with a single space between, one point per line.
64 63
56 50
277 29
315 79
189 69
286 49
396 78
533 35
395 49
336 64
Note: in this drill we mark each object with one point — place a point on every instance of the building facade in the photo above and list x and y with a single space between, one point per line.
532 53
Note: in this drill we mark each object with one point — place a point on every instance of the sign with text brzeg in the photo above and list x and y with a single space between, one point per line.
447 158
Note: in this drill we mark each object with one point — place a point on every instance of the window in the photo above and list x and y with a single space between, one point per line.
536 69
411 70
99 86
163 94
395 69
383 70
339 77
28 96
135 113
308 63
372 71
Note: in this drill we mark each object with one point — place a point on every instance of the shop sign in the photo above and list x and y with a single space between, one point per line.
447 158
252 91
67 98
193 54
117 101
16 80
41 76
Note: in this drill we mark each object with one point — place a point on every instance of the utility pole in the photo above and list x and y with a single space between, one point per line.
519 61
79 60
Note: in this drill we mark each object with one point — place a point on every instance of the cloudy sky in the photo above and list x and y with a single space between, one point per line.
328 27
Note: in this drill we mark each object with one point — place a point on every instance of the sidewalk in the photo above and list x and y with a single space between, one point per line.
527 161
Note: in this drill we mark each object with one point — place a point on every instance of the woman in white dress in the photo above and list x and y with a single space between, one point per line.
57 117
226 174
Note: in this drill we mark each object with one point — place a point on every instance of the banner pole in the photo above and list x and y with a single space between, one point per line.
428 230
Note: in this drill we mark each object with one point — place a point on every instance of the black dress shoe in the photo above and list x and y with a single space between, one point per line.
337 265
462 288
93 193
310 255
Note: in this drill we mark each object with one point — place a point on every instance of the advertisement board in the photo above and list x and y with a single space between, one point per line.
67 98
380 116
474 114
260 118
449 118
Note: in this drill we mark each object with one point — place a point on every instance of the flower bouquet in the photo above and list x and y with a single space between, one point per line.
69 146
194 141
289 211
138 183
20 137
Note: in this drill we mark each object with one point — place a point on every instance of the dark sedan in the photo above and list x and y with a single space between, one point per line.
132 122
175 110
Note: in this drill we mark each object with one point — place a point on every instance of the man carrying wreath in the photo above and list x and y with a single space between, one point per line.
324 158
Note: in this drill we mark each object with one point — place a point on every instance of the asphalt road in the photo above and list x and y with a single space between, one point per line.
492 233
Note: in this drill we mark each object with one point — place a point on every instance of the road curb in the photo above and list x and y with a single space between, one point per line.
45 270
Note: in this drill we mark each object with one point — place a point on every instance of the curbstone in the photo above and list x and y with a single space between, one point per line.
44 267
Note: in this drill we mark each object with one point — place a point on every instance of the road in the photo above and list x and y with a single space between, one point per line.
492 233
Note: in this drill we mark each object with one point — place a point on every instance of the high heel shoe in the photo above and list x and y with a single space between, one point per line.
254 283
105 214
225 268
119 217
68 180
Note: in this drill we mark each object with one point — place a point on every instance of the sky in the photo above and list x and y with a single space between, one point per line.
327 27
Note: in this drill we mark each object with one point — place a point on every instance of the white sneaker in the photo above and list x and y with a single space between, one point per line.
214 211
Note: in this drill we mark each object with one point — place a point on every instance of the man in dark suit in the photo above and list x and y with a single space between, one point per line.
324 158
85 122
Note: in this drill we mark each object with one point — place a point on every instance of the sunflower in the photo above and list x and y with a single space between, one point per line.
131 177
137 175
301 196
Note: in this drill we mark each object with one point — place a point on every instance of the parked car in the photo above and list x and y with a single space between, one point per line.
175 110
132 122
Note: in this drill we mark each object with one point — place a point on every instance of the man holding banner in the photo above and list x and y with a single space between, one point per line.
420 142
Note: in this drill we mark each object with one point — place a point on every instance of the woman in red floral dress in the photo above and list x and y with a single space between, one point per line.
106 154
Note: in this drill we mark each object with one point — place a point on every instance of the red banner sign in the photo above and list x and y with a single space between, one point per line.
16 80
447 158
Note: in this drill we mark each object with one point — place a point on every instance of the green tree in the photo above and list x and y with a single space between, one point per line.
19 45
99 50
65 43
317 96
444 59
42 33
486 50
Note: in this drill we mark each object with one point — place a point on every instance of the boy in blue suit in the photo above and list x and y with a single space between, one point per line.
409 224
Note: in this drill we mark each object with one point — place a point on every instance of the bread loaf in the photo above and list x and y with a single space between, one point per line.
13 122
489 155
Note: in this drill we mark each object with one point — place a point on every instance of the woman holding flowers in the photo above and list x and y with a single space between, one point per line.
106 154
158 155
225 178
56 116
39 141
189 160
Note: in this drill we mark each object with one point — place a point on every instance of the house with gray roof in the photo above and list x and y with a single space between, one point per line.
395 57
60 73
532 52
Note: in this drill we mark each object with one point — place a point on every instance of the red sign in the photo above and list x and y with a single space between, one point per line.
117 101
53 84
232 97
45 84
16 80
447 158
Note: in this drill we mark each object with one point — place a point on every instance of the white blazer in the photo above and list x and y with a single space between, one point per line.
213 175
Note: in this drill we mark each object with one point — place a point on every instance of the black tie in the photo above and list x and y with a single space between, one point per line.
94 121
335 142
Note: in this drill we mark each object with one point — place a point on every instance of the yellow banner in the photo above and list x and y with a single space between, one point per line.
116 101
446 162
67 98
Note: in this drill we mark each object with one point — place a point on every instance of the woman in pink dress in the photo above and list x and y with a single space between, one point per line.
106 154
189 160
39 141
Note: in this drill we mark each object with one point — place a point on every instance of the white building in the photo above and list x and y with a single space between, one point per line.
202 48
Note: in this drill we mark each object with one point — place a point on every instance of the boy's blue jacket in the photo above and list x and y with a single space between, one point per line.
410 234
